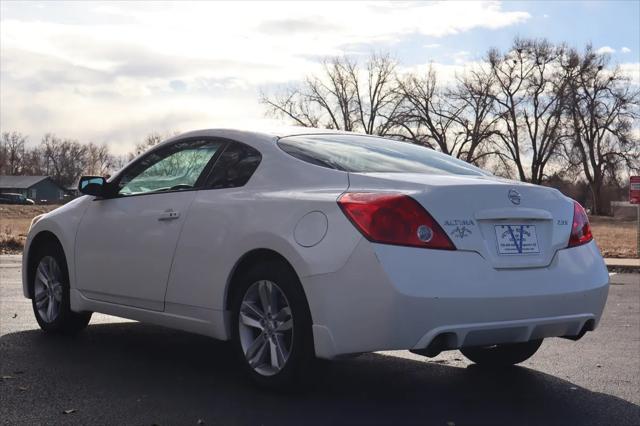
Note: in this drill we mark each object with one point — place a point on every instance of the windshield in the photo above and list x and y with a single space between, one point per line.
367 154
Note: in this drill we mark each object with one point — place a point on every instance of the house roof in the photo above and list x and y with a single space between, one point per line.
20 182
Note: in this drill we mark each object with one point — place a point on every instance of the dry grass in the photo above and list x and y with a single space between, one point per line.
14 225
10 243
616 238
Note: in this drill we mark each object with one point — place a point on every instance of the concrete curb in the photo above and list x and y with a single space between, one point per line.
622 265
629 263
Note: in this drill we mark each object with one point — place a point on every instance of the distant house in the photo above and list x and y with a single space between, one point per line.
41 189
71 192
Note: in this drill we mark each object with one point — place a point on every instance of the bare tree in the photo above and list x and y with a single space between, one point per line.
343 97
98 161
530 94
459 121
12 151
510 71
34 162
602 109
475 90
378 102
149 141
65 159
3 158
427 115
543 111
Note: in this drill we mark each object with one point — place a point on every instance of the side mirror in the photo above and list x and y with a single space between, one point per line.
92 185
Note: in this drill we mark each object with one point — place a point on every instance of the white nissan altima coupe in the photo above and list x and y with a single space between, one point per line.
312 243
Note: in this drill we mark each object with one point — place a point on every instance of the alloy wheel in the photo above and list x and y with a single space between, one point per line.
265 327
48 289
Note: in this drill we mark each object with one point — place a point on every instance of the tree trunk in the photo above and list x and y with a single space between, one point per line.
596 199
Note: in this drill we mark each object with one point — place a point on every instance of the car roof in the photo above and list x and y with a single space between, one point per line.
259 135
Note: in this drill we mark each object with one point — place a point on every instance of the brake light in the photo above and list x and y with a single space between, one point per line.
580 230
393 219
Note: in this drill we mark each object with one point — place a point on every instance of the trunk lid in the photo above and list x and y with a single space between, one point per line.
509 223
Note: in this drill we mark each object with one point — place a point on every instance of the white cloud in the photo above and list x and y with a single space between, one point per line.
460 57
606 50
625 49
432 46
631 70
114 71
446 74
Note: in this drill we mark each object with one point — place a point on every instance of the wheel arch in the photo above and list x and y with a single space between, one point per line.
41 239
249 259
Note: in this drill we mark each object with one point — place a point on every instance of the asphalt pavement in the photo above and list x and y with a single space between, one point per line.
121 372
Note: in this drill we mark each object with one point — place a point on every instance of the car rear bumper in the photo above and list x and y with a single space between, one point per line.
388 297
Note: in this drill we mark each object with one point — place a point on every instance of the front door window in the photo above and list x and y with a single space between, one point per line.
174 168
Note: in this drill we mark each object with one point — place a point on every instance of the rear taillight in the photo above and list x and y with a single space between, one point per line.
393 219
580 230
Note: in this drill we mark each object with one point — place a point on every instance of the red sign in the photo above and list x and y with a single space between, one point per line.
634 190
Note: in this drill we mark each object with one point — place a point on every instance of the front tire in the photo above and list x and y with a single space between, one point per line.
51 293
502 355
271 326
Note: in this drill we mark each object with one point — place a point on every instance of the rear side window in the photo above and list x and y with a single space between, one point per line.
234 167
367 154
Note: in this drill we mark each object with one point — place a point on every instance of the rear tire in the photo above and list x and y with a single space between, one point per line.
271 326
51 294
502 355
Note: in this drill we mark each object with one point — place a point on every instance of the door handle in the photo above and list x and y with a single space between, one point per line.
169 215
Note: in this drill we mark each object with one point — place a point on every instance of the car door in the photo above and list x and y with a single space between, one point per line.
126 241
202 259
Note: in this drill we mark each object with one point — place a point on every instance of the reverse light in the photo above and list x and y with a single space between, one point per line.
580 229
393 219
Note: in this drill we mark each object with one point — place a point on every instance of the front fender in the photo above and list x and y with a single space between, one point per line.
63 223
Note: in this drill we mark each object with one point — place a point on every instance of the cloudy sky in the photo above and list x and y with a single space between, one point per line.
112 72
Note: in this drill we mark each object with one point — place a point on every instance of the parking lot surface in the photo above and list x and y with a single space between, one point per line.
123 372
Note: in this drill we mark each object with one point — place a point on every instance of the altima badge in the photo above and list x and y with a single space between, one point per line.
514 196
461 232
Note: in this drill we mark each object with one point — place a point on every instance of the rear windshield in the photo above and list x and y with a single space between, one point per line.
367 154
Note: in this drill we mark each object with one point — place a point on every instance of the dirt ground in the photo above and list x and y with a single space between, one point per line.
615 237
